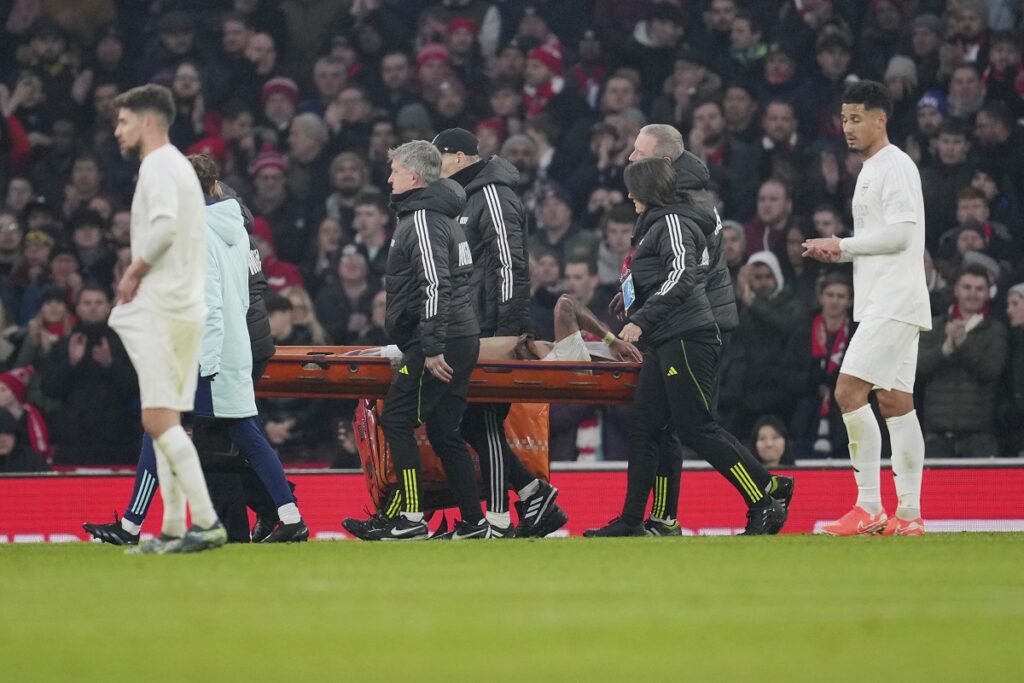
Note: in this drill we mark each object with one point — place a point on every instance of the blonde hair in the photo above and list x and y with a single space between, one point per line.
316 330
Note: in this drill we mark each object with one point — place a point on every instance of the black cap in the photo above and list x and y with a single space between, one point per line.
456 140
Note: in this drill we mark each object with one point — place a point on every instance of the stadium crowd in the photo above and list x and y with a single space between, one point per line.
300 101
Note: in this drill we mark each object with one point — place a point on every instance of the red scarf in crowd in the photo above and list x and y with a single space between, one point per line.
956 314
537 98
830 358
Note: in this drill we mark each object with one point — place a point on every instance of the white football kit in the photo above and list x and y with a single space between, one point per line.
890 294
162 326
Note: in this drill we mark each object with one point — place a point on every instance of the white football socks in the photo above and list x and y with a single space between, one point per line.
499 519
866 456
175 445
289 513
907 463
172 494
130 527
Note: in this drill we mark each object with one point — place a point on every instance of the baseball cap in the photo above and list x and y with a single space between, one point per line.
456 140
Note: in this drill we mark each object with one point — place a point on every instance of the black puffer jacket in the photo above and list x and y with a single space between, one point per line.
669 268
692 179
429 270
494 221
256 317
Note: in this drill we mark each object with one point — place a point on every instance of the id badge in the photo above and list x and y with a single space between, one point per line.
628 294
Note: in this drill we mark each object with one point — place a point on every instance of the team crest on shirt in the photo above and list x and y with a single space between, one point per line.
463 220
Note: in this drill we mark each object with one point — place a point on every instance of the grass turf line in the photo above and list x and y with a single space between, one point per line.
938 608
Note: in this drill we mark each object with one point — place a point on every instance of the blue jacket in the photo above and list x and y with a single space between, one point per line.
225 347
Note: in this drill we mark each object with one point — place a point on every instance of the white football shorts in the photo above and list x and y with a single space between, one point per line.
165 353
883 352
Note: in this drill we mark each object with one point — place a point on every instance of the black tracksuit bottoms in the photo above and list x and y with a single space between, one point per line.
674 388
417 397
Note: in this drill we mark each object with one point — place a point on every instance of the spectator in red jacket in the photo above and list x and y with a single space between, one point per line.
13 387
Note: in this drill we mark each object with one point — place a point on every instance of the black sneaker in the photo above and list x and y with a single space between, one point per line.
767 520
401 529
781 489
288 533
503 531
616 527
538 514
371 529
465 531
660 527
263 527
112 533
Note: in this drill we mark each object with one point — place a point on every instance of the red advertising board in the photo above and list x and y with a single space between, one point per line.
52 508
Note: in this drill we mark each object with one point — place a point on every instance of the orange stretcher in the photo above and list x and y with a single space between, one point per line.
326 372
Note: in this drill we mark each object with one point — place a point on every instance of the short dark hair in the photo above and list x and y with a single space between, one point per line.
970 192
372 199
835 278
588 262
652 181
755 25
975 270
148 98
206 170
872 94
953 126
277 303
620 213
92 286
998 110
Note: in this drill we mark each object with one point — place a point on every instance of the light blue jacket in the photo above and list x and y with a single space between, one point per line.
225 347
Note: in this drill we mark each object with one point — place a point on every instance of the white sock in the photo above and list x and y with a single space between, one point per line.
529 489
499 519
180 451
413 516
289 514
907 463
130 527
866 456
172 494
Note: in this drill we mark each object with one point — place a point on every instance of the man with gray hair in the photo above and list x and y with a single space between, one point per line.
308 167
430 317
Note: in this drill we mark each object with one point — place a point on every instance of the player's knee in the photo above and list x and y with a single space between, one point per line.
849 397
565 307
894 403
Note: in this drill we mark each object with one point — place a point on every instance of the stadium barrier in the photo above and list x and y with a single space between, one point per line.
981 495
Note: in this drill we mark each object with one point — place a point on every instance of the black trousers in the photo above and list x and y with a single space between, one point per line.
671 456
674 389
417 397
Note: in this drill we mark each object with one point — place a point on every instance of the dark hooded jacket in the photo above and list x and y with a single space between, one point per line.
669 267
430 267
256 317
692 179
494 222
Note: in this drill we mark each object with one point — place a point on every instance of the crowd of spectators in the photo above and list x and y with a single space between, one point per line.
299 101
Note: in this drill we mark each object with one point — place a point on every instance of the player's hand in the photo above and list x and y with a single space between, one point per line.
630 333
824 249
102 354
439 369
626 351
128 287
76 348
616 307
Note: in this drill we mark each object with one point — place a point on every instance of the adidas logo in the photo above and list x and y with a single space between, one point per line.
672 372
404 370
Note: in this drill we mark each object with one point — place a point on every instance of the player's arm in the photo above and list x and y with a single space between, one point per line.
162 219
572 315
900 220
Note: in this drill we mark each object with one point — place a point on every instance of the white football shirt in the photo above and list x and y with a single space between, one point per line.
890 286
169 189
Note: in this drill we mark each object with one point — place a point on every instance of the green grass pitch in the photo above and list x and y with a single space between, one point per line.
934 609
